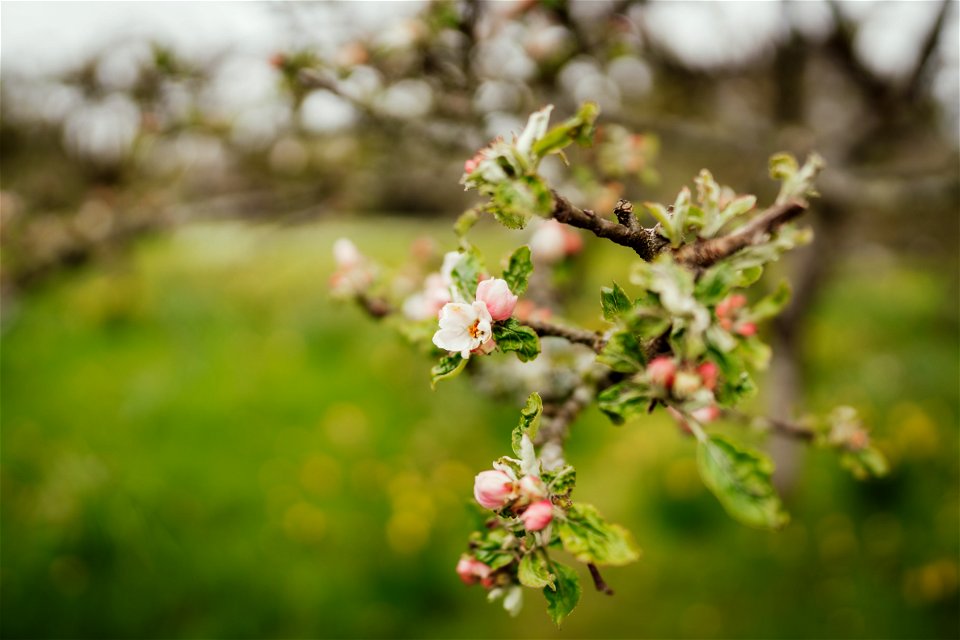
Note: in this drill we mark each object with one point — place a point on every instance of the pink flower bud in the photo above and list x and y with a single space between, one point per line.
537 516
727 306
661 371
747 329
685 384
470 569
495 293
706 414
708 374
532 488
492 489
469 166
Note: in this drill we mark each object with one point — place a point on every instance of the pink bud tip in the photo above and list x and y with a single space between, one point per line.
470 569
537 516
708 373
661 371
706 414
747 329
469 166
492 489
495 293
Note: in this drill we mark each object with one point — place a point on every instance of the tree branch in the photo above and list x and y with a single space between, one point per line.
646 242
592 339
704 253
783 427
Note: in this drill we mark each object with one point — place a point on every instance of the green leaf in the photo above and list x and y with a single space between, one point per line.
740 478
562 599
624 400
614 302
512 203
529 421
466 274
534 571
585 534
661 215
865 463
577 129
518 270
510 335
560 481
770 305
623 353
448 367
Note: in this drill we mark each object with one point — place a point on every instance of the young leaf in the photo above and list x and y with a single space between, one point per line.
565 595
614 302
529 421
510 335
740 478
448 367
466 275
518 270
624 400
577 129
865 463
534 571
623 353
561 481
770 305
586 535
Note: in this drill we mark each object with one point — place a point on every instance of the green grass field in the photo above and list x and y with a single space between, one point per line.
198 442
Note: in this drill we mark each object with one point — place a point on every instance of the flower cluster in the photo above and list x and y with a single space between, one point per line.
354 273
729 315
468 327
686 384
526 498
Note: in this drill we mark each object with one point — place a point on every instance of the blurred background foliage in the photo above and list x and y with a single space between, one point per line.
197 442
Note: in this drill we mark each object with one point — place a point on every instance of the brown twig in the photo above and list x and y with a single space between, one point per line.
646 242
784 427
598 581
704 253
592 339
376 307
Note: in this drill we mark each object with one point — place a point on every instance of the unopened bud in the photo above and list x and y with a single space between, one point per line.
492 489
706 414
495 293
470 569
747 329
685 384
661 371
537 516
708 374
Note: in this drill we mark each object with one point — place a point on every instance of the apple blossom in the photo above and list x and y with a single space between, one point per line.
463 327
470 570
495 293
661 371
353 275
346 254
493 489
538 515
